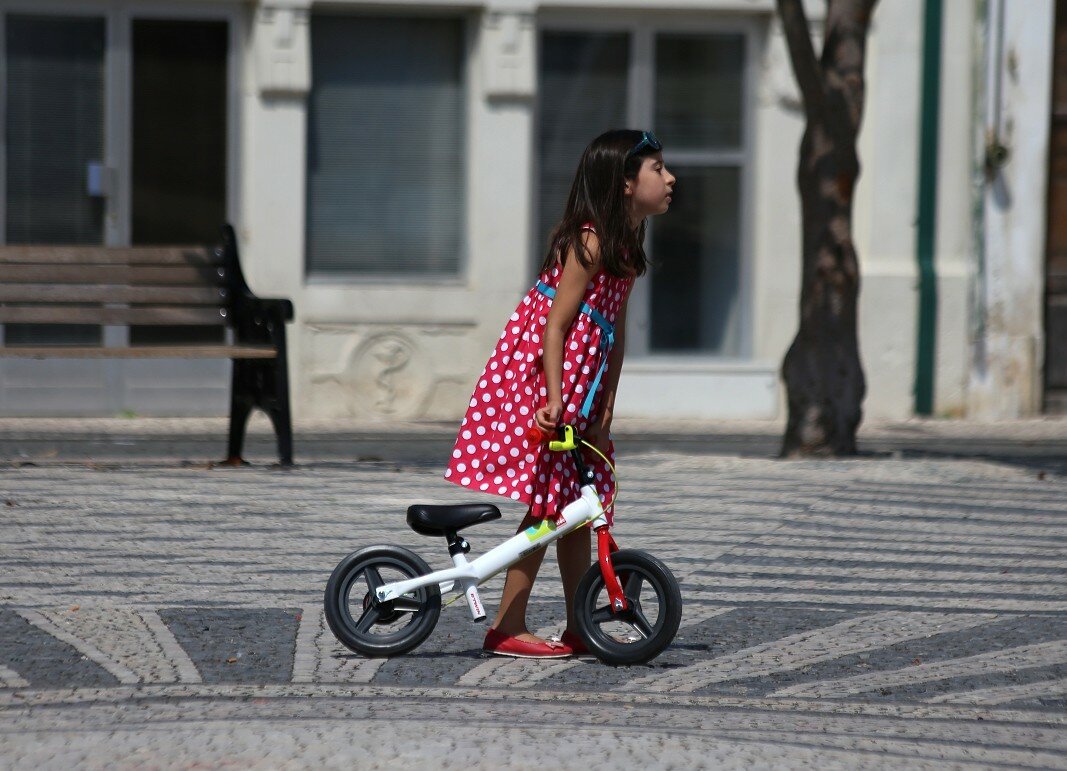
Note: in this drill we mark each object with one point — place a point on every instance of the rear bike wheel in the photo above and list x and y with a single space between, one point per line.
649 624
376 628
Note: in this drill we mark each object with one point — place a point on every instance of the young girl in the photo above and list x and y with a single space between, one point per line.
558 361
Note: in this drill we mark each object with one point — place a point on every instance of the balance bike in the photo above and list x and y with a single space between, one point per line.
385 600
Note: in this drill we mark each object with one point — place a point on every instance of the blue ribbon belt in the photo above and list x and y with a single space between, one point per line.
608 329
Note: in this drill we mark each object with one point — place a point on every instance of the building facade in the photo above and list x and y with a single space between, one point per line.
394 168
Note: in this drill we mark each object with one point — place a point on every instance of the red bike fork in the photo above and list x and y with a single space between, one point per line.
605 546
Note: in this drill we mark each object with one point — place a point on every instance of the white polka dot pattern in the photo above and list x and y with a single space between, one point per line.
512 386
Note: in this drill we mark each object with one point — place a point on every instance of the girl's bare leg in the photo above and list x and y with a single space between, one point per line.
574 553
511 615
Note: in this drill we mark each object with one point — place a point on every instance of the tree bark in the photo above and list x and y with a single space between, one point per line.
822 372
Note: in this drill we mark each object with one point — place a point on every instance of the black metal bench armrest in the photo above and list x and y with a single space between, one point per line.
254 319
274 307
258 320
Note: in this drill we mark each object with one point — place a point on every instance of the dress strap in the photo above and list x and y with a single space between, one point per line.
608 329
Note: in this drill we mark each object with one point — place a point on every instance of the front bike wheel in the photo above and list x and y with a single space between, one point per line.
375 628
647 627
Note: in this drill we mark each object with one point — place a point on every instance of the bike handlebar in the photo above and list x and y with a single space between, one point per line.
567 440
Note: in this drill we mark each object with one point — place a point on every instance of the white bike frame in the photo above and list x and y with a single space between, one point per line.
469 575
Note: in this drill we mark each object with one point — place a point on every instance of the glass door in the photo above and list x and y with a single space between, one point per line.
55 129
178 131
117 133
178 150
178 145
55 185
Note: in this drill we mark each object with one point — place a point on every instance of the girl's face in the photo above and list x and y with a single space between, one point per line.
650 191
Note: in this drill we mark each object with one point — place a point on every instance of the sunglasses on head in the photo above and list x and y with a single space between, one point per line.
648 139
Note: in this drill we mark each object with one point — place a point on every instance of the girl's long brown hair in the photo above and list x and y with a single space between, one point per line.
597 196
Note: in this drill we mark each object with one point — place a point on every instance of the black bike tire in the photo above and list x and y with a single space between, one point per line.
340 620
669 618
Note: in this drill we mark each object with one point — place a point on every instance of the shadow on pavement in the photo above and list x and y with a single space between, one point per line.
431 448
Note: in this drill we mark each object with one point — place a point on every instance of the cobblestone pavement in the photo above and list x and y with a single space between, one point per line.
886 612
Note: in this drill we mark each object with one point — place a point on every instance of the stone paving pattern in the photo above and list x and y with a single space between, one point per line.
883 612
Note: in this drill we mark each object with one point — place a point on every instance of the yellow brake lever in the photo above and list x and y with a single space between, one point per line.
567 443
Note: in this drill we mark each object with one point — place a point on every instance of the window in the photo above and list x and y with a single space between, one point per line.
386 146
689 88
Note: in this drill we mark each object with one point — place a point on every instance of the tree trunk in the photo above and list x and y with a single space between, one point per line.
822 371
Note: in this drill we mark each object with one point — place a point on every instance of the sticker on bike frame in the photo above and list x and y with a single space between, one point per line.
540 531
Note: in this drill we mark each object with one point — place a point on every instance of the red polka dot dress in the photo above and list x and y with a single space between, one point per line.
493 453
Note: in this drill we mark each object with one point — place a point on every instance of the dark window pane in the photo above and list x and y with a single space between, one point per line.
696 271
55 128
179 131
51 334
385 163
174 335
582 95
699 90
179 146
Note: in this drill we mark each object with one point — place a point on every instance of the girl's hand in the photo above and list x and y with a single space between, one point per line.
598 435
547 417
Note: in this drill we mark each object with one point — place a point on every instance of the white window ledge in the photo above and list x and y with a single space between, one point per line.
690 387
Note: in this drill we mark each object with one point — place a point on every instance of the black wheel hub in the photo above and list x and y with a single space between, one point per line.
386 613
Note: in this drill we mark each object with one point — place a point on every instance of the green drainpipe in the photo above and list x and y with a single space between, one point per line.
927 219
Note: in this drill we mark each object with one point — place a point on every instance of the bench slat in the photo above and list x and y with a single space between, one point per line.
70 293
121 275
106 255
74 314
141 352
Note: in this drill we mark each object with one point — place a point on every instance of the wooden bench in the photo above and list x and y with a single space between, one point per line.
158 286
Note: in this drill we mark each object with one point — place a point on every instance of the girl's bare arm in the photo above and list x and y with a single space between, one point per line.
565 305
610 380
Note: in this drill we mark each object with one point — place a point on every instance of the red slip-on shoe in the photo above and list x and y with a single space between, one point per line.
574 642
504 645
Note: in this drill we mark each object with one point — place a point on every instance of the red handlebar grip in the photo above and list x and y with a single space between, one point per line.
535 435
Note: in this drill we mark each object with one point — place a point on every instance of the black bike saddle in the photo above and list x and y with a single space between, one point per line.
439 520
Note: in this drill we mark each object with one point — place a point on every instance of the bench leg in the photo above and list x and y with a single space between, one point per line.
238 421
263 385
279 412
283 428
240 409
